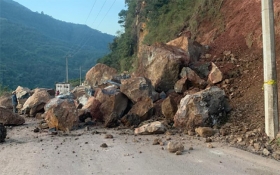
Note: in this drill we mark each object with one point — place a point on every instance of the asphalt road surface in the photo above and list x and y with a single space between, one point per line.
79 153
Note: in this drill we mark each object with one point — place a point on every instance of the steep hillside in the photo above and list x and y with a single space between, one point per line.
34 46
233 32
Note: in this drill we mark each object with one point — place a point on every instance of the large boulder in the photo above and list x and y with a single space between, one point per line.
141 111
7 117
201 68
169 108
36 102
181 85
6 101
99 75
22 92
136 88
181 42
113 106
92 109
151 128
192 47
204 108
193 80
81 91
161 64
61 114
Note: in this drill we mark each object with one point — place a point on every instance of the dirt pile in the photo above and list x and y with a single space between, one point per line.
241 35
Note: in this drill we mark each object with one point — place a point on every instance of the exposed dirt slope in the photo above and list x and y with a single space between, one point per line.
242 35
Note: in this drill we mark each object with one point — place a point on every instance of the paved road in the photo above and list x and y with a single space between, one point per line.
29 153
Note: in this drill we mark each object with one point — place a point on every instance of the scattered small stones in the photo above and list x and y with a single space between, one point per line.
178 153
109 136
191 148
95 132
204 131
36 130
191 133
209 145
266 152
104 145
257 146
208 140
157 141
175 146
239 139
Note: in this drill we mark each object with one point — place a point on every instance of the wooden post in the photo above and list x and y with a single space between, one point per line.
269 66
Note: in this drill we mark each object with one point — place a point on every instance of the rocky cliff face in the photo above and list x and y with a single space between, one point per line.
235 47
235 42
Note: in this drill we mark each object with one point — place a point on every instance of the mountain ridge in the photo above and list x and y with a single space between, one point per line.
32 38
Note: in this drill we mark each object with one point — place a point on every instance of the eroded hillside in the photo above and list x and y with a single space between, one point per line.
235 39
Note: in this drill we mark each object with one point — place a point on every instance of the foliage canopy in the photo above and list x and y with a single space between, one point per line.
165 20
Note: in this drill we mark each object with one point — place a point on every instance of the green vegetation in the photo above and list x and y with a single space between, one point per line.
124 46
33 47
4 90
278 142
165 20
75 82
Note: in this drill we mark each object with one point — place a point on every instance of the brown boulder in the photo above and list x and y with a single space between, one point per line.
6 101
169 108
81 91
112 106
61 114
161 64
151 128
175 146
22 92
204 131
136 88
140 111
192 47
92 107
192 78
204 108
215 75
181 42
99 74
7 117
181 85
36 102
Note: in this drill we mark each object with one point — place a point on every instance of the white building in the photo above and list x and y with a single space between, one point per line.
63 88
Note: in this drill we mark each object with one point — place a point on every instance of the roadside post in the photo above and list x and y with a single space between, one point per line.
269 66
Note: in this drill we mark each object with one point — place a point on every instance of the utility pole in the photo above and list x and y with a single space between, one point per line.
269 66
67 68
80 75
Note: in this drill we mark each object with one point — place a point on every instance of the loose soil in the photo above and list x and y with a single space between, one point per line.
241 34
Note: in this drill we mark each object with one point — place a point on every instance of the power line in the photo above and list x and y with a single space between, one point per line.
85 39
69 52
90 11
97 26
99 11
106 14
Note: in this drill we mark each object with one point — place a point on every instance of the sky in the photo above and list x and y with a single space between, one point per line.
101 15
